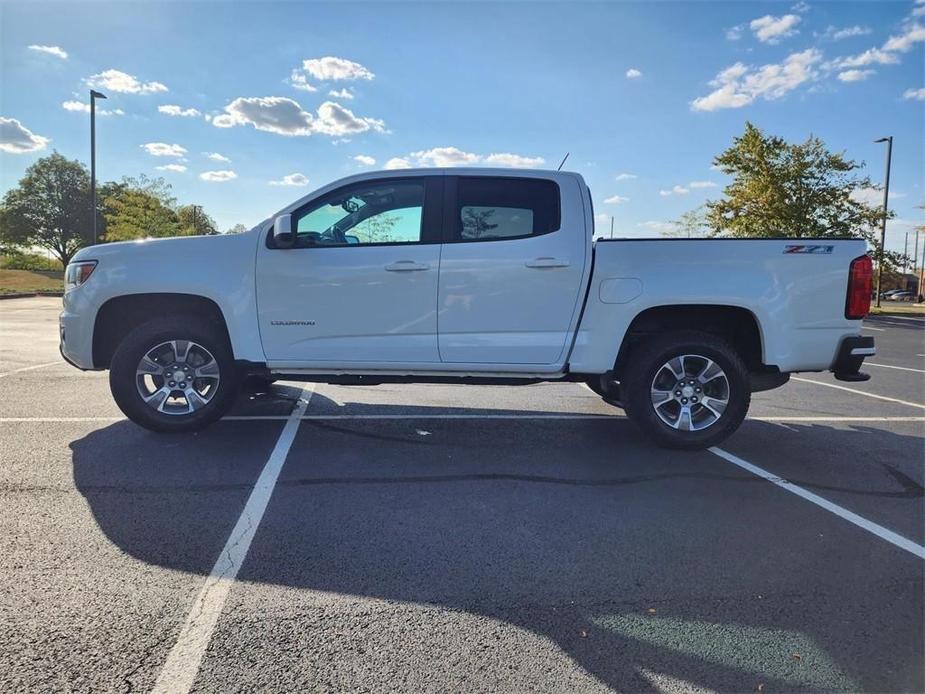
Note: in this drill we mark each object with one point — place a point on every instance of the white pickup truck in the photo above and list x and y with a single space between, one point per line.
480 276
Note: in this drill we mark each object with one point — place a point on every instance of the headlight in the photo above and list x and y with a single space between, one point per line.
78 273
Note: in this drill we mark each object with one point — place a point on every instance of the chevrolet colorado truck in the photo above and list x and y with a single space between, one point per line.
480 276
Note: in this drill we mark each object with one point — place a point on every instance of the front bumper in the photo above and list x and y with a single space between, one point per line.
850 356
75 338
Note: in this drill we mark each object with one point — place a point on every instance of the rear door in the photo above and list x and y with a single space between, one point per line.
512 269
360 286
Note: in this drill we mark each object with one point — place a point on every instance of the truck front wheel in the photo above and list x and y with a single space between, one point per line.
687 390
173 375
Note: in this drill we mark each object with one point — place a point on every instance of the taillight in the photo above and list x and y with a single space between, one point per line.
860 280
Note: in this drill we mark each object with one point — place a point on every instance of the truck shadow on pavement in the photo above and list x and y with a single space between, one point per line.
651 569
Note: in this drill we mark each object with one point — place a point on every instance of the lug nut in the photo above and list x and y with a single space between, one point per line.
678 393
183 385
683 401
697 390
172 383
694 399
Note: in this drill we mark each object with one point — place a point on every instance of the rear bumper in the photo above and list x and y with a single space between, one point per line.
850 356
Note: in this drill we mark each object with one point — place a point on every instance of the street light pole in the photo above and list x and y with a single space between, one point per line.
94 95
886 200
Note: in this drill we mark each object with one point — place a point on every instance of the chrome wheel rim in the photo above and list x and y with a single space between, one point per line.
177 377
690 392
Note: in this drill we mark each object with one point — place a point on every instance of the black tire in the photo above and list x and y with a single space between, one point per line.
135 345
648 358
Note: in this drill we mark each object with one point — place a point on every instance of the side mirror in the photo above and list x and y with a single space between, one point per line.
282 231
351 239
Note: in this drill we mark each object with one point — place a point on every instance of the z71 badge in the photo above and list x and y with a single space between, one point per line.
807 249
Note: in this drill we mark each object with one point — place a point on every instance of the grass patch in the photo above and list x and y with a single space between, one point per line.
897 308
15 281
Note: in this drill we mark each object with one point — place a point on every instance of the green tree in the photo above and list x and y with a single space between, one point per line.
49 208
133 213
194 222
237 229
799 190
691 225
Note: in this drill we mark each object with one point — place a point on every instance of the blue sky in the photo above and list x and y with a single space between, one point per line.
295 95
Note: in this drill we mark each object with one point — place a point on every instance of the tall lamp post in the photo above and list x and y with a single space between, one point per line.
94 95
886 199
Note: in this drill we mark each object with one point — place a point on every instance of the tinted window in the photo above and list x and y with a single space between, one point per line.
382 212
505 208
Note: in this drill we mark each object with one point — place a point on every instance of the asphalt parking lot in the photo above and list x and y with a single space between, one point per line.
459 538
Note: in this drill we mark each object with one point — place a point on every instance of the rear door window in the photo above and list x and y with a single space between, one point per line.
493 208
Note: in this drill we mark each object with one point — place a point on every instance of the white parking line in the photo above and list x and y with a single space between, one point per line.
871 527
859 392
30 368
182 665
888 366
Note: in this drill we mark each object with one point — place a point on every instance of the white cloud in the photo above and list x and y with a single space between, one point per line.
675 190
284 116
836 34
275 114
398 163
162 149
872 56
327 69
770 29
800 8
16 138
117 81
218 176
702 184
625 176
915 94
298 80
364 160
445 156
56 51
293 179
912 34
633 73
855 75
615 200
215 156
739 85
173 110
334 119
81 107
330 68
514 160
179 168
341 94
734 33
919 9
869 196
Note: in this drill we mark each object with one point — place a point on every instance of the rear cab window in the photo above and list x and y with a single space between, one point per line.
492 208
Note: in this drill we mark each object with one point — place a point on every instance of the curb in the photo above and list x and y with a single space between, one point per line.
26 295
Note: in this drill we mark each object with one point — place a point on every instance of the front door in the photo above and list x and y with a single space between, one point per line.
360 285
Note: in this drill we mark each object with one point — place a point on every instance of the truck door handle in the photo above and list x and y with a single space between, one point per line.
545 262
406 266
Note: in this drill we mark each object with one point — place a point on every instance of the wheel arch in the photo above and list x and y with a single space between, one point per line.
120 315
736 324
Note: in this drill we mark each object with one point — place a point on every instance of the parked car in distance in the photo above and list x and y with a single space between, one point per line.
470 276
901 296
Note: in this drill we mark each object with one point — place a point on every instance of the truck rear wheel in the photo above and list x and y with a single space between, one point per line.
687 390
170 375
